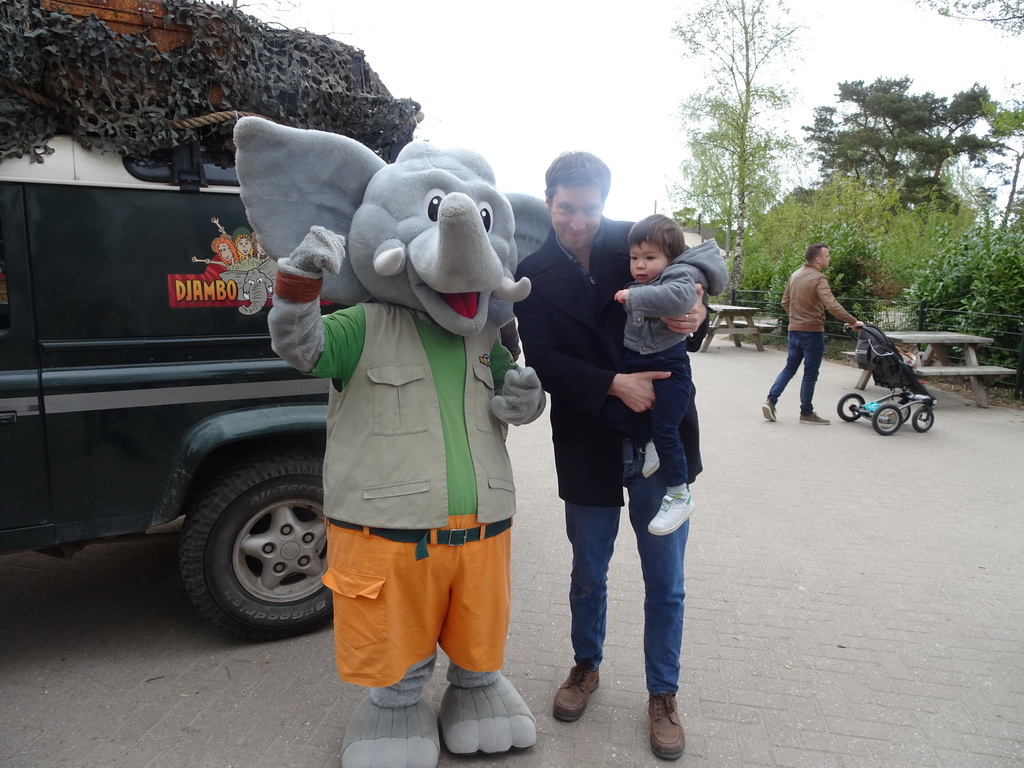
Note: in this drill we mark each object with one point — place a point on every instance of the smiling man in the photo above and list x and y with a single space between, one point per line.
572 332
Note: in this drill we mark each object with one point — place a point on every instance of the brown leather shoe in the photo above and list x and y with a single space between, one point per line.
667 739
572 696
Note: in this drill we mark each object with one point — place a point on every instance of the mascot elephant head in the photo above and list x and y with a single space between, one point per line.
430 232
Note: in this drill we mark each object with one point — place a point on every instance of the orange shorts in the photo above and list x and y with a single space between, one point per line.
392 610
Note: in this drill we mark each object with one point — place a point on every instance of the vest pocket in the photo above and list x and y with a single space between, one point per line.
501 483
501 498
360 607
398 399
396 489
485 420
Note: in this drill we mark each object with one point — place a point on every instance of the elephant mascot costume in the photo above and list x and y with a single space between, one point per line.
418 486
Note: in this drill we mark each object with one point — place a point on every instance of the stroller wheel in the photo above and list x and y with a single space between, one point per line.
923 419
849 407
887 420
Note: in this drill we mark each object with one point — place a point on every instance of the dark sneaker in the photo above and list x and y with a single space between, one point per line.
768 410
667 738
572 697
813 418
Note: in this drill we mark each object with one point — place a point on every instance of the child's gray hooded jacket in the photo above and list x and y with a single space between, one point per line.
671 294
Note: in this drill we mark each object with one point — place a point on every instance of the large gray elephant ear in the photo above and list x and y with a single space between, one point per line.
291 179
532 222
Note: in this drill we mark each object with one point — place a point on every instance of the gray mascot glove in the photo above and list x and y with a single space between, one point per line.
520 399
320 251
296 331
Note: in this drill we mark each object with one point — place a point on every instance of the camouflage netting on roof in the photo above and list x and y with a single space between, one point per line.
120 93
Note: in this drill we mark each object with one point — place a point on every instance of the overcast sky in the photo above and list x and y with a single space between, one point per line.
537 77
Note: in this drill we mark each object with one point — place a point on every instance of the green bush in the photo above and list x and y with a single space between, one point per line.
982 271
878 247
912 239
981 275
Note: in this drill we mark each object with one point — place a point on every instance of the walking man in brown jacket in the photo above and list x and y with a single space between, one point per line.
805 300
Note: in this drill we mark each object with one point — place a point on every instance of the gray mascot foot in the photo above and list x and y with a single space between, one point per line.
490 719
398 738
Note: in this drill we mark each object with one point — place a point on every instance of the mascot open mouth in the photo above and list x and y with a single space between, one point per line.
464 304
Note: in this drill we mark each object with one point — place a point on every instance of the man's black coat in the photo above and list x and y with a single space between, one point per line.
571 328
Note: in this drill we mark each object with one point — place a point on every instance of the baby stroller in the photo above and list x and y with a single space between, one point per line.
909 398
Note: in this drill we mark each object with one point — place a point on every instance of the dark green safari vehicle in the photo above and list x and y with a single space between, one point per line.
138 386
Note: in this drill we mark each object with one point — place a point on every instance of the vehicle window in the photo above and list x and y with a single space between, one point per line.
219 170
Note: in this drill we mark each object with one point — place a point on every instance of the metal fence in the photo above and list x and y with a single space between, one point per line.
1006 331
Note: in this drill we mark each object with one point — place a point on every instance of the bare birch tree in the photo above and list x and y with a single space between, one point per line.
742 45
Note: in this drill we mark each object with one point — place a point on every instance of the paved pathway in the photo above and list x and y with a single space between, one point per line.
853 601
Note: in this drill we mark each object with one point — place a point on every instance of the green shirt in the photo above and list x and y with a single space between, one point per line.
344 333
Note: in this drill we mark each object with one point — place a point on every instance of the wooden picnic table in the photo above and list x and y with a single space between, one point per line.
731 320
935 359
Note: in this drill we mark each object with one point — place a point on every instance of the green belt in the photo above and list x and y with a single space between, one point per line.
453 537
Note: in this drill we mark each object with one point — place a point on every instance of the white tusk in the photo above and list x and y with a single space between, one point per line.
513 291
389 262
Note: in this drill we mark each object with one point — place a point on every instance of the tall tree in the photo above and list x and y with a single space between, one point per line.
712 172
739 42
710 182
1007 15
886 132
1007 123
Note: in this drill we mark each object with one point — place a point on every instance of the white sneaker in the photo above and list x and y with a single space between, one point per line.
651 460
673 513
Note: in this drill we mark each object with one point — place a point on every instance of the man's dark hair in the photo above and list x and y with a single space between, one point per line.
577 169
661 231
813 250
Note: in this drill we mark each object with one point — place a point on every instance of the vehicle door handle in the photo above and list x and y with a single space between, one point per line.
8 417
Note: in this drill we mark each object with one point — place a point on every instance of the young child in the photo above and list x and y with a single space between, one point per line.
666 273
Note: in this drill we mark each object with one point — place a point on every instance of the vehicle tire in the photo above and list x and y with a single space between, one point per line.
887 420
924 418
254 548
849 407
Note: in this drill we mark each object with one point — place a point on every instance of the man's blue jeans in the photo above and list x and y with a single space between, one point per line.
592 532
805 347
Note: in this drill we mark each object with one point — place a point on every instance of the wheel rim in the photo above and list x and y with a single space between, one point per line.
280 554
888 418
923 420
849 407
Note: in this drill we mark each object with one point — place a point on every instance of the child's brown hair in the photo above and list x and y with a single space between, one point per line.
661 231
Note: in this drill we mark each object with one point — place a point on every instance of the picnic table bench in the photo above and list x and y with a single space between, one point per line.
731 320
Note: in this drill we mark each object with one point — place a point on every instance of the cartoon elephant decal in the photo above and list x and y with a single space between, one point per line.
254 285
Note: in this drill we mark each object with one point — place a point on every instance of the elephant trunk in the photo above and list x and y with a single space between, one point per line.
257 297
460 259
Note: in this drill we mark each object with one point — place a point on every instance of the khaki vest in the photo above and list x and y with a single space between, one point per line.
385 460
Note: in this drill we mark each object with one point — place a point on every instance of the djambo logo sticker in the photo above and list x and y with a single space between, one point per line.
238 274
